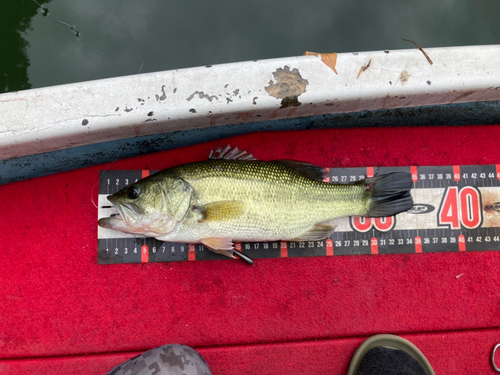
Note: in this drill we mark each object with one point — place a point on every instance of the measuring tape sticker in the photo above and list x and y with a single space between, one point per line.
457 208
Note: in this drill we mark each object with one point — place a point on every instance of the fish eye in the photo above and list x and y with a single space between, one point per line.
133 192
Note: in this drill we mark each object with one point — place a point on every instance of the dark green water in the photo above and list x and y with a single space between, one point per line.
44 43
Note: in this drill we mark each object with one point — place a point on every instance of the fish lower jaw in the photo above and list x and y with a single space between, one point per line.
120 225
111 222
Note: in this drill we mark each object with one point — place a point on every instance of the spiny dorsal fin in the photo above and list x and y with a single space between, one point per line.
229 153
220 211
306 169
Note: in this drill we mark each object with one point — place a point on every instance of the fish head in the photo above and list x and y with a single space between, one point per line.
149 207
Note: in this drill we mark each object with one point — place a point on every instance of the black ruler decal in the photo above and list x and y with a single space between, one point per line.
457 208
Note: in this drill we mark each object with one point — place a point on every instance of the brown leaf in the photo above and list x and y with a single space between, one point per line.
363 68
330 59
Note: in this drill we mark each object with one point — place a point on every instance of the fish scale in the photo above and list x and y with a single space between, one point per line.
280 203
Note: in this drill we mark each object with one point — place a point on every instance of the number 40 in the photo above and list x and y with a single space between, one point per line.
460 207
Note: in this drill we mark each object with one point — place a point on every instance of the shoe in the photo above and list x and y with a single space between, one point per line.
388 355
171 359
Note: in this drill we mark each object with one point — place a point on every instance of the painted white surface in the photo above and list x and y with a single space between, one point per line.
52 118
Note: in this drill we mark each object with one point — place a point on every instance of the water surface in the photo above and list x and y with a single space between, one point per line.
44 43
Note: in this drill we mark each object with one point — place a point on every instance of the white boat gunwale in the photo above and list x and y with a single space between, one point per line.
62 117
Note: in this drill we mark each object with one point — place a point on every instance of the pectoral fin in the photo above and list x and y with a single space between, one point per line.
220 211
223 246
318 232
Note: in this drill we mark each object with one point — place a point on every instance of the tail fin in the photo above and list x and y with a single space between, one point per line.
390 194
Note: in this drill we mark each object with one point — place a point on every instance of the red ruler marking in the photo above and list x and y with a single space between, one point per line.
498 171
284 249
384 224
369 172
374 243
192 252
145 173
414 173
362 224
237 247
456 172
461 243
144 254
327 178
418 244
329 247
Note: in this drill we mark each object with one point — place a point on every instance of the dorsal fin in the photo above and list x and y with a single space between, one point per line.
229 153
306 169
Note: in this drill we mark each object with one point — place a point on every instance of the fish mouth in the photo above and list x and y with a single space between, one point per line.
127 215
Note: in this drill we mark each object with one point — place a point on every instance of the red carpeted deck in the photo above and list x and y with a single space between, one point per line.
62 313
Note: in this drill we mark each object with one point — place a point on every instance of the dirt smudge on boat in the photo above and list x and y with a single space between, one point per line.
288 87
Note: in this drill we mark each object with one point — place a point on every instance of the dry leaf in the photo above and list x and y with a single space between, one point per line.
330 59
363 68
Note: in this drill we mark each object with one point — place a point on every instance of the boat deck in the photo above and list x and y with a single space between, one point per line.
64 313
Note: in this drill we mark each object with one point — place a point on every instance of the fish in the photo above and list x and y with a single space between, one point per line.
233 197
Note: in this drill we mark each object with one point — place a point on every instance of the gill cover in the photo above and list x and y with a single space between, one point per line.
178 199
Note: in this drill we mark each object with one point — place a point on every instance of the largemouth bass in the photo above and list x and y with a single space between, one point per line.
234 197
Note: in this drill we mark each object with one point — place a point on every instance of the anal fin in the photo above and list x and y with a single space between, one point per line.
319 232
